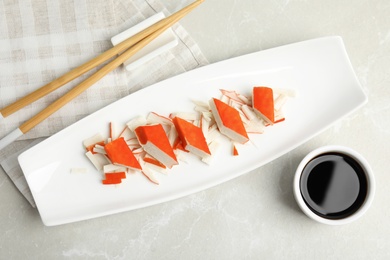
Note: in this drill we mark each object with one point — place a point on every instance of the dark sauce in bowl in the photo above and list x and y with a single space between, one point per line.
333 185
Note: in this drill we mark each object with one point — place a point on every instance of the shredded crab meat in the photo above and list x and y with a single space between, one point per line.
280 101
114 168
231 94
287 92
149 173
139 150
99 150
200 109
205 126
181 155
113 178
212 134
189 116
203 104
154 118
248 112
99 146
208 116
127 134
244 118
246 100
234 149
202 116
156 168
255 127
197 122
153 164
97 138
98 160
151 160
235 105
112 131
253 124
225 99
279 116
132 141
213 146
173 137
136 122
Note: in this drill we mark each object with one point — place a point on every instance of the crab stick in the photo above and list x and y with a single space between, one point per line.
228 121
120 154
192 137
149 159
155 142
263 103
114 177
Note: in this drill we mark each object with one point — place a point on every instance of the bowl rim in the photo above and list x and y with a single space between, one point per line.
359 159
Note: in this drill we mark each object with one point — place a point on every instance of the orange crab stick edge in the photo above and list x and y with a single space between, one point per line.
119 153
191 137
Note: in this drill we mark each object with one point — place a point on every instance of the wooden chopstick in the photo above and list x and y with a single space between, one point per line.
74 92
71 75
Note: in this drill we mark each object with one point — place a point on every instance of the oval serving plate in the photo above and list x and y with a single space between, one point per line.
319 70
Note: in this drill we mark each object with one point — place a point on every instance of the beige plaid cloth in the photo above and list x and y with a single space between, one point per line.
41 40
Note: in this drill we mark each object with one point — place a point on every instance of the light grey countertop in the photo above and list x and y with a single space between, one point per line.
254 216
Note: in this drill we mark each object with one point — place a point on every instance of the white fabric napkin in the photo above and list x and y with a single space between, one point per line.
42 40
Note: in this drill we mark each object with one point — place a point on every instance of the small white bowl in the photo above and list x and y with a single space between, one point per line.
359 159
162 43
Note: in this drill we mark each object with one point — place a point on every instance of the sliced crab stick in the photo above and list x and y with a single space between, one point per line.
120 154
155 142
263 103
114 177
229 121
192 137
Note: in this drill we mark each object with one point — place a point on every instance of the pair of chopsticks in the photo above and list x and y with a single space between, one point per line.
126 49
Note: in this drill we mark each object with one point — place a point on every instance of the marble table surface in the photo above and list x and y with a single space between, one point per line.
254 216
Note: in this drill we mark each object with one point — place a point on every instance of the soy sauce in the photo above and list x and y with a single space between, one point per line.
333 185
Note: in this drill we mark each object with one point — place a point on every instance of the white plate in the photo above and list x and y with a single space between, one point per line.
318 69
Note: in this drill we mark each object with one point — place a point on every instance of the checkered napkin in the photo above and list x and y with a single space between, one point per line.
41 40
